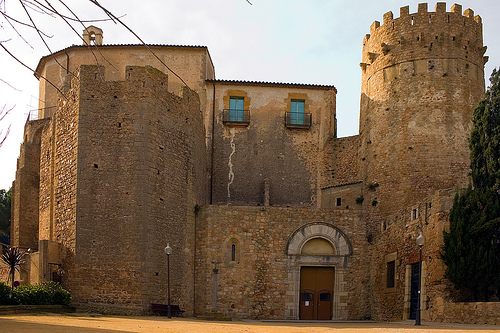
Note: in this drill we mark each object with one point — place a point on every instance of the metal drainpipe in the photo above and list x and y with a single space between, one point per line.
212 148
67 62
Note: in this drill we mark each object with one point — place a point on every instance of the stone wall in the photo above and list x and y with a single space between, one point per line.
123 168
25 189
468 313
396 240
263 280
345 196
266 151
422 76
141 172
341 161
340 177
192 63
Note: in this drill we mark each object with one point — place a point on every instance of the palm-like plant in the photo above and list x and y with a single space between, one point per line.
13 257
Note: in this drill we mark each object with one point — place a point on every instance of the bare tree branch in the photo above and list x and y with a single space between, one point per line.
139 38
32 70
17 32
7 83
38 32
10 18
3 113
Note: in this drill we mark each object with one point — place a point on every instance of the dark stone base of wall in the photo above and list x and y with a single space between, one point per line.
112 309
19 309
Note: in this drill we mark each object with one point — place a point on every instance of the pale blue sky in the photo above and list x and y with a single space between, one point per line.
303 41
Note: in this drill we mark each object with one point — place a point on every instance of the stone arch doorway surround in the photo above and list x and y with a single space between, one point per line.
297 259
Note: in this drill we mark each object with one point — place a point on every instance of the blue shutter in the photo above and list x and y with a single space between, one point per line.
236 106
297 108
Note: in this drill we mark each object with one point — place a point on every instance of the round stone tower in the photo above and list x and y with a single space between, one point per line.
422 76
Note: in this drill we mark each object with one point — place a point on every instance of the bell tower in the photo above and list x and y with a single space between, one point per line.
92 36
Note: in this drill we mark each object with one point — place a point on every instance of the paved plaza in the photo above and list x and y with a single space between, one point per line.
53 323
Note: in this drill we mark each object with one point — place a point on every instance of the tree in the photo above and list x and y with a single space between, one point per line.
485 138
13 257
5 202
471 248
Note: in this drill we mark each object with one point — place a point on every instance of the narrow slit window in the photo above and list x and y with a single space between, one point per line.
414 214
391 274
233 252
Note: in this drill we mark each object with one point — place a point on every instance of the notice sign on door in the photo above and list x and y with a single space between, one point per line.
306 303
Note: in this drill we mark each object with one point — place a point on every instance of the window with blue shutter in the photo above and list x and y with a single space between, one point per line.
297 108
236 106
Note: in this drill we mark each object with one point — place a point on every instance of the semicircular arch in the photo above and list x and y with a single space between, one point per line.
331 233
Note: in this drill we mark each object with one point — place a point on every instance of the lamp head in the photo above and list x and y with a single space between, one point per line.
168 249
420 239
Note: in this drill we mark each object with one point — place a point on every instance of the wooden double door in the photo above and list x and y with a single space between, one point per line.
316 293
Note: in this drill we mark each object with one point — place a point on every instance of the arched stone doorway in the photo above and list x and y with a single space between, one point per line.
317 248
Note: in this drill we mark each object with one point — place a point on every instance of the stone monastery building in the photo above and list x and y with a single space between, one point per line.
250 178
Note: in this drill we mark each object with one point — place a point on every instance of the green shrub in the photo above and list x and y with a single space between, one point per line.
5 294
32 295
45 293
58 295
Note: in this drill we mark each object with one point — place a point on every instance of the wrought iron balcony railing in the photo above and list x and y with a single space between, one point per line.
236 117
298 120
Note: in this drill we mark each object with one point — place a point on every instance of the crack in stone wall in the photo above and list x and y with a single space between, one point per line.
230 164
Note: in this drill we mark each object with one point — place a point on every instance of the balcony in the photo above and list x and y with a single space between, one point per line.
236 117
298 120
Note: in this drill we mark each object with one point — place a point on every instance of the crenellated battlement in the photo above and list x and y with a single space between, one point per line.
423 17
433 35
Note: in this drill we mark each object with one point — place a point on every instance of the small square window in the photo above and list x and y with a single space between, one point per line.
307 296
339 202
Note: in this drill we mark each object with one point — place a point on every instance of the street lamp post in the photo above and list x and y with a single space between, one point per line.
168 251
420 242
214 295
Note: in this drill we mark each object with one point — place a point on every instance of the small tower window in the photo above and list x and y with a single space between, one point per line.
414 214
391 274
233 252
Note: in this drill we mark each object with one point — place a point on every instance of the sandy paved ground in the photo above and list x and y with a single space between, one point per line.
53 323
